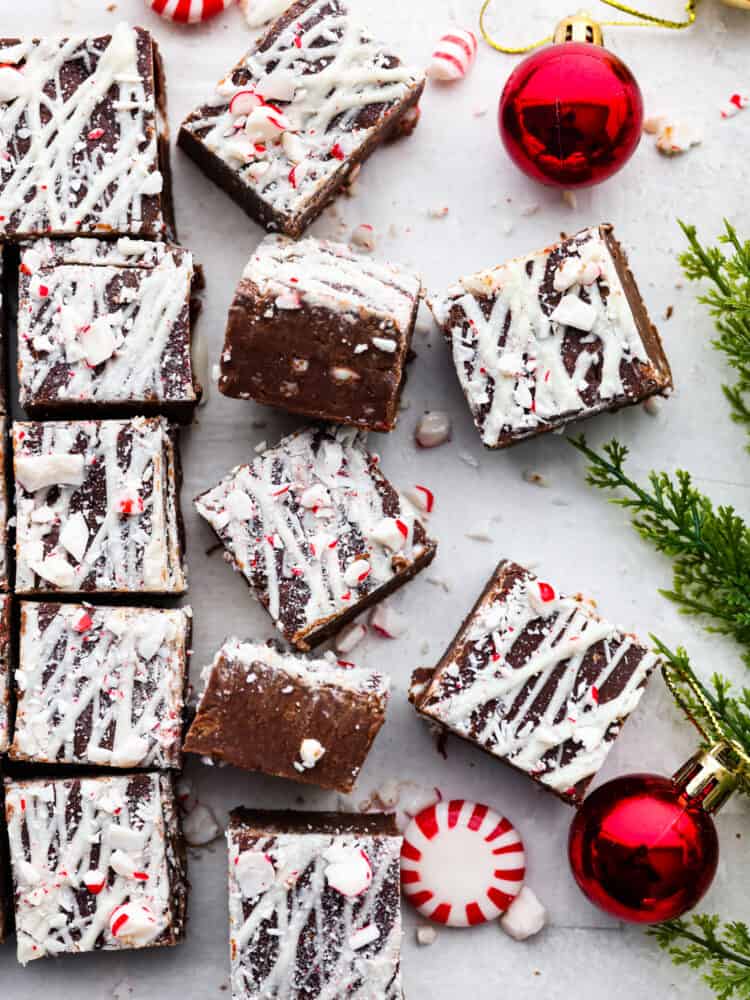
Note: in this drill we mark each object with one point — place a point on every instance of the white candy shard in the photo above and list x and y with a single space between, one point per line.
525 916
356 572
13 84
388 622
364 936
542 597
348 870
573 311
433 429
363 236
35 472
200 826
258 12
391 533
54 569
426 935
255 873
98 341
310 752
134 924
74 536
349 637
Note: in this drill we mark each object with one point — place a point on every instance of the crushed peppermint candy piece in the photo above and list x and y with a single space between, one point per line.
542 597
199 826
35 472
388 622
349 637
13 84
426 936
390 532
363 236
254 872
259 12
356 572
735 104
453 56
525 916
95 881
189 11
244 102
364 936
310 752
74 536
433 429
573 311
422 498
348 870
134 924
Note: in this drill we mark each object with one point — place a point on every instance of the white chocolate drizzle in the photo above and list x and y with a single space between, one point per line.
84 160
512 348
101 686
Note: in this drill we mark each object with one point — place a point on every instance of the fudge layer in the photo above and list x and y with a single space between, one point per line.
314 905
98 864
100 685
85 140
538 680
550 338
3 336
6 906
286 129
105 327
5 680
310 720
317 531
97 507
319 330
4 562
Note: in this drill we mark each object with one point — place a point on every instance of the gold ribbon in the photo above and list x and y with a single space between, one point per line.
643 20
716 731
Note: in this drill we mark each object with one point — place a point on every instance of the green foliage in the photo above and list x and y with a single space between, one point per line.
727 267
720 950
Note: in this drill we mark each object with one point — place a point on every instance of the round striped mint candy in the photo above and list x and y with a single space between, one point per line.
188 11
453 55
462 863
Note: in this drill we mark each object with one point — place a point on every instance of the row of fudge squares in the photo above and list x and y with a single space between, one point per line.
537 342
99 864
534 678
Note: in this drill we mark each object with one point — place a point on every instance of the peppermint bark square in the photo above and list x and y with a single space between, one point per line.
314 905
550 338
105 327
4 676
86 142
317 531
4 562
97 863
538 680
313 721
319 330
97 507
102 686
288 127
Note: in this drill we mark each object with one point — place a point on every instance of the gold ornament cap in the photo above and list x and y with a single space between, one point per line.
710 777
580 27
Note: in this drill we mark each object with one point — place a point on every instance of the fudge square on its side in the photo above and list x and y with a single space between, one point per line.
5 678
97 507
317 531
538 680
314 905
98 864
322 331
290 124
85 137
4 554
101 686
313 721
550 338
105 328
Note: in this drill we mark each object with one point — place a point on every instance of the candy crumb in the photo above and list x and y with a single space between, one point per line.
426 936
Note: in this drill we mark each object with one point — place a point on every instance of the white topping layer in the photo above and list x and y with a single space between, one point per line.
90 676
82 160
332 71
510 333
285 881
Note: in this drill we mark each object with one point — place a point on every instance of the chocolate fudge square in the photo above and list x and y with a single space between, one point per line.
538 680
102 686
98 864
4 674
313 721
314 905
4 561
550 338
85 136
317 531
105 328
3 336
97 507
6 905
319 330
290 124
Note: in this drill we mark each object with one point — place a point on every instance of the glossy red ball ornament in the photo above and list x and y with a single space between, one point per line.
571 115
643 849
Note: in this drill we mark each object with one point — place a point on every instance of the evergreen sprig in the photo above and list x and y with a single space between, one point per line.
729 303
710 547
721 950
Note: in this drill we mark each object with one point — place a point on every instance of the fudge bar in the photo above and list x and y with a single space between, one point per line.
4 566
97 507
553 337
84 136
3 335
319 330
314 905
289 126
101 686
105 327
538 680
97 863
310 720
5 727
6 908
317 531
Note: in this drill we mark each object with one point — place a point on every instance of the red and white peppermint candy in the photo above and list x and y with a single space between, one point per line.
453 55
462 863
188 11
735 104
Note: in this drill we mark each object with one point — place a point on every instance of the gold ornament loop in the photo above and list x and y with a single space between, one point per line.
643 20
717 733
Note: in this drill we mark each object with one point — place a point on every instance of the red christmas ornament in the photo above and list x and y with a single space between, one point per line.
644 847
571 115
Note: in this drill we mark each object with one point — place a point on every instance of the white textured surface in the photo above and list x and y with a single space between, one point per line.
455 160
